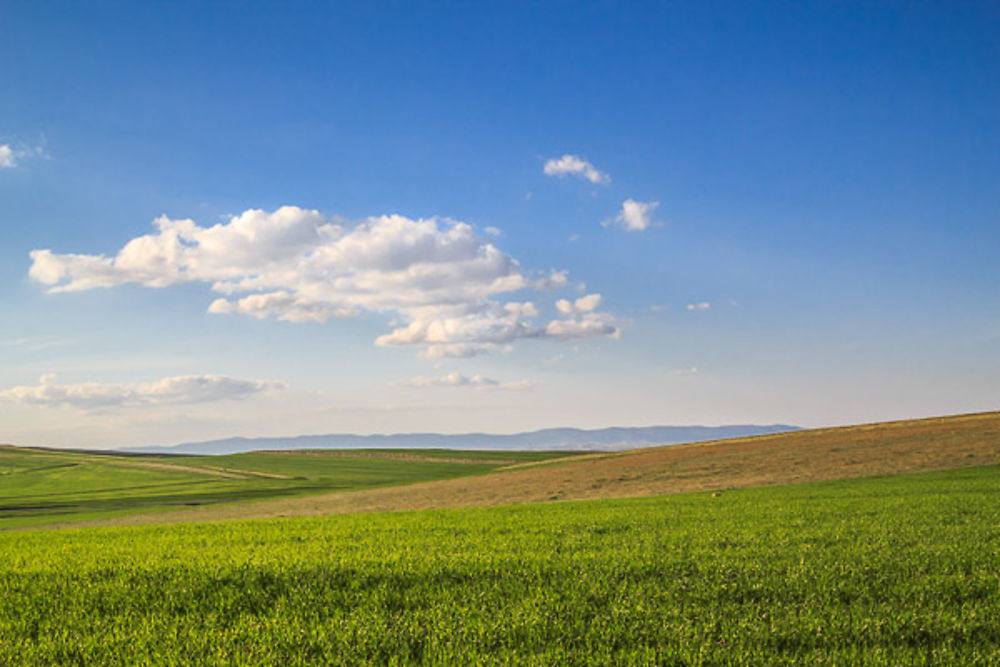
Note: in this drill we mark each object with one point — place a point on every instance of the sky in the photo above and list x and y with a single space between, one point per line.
268 219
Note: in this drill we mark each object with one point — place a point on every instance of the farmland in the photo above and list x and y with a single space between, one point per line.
822 454
39 487
874 544
884 570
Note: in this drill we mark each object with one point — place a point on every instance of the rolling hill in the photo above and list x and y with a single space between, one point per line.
786 458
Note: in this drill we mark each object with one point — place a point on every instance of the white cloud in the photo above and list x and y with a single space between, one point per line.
10 156
436 277
581 320
492 231
459 380
585 304
635 216
167 391
576 166
7 158
702 305
693 370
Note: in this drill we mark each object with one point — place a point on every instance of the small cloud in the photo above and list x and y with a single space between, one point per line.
703 305
492 231
575 166
10 157
459 380
693 370
657 308
554 280
635 216
92 396
553 360
573 238
7 158
585 304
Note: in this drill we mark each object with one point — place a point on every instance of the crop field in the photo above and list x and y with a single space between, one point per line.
823 454
39 487
884 570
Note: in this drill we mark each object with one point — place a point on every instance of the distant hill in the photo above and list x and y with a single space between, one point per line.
552 438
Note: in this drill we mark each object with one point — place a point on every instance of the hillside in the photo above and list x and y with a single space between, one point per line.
40 486
822 454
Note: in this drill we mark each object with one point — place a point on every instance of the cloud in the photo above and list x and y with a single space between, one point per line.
575 166
635 216
10 156
584 304
91 396
581 320
492 231
584 326
441 281
693 370
458 380
7 158
702 305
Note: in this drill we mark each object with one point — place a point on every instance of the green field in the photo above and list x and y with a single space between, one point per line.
890 570
39 487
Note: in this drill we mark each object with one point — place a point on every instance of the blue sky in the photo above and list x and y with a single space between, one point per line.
811 235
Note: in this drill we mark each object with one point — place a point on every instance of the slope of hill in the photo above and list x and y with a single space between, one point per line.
546 439
822 454
42 486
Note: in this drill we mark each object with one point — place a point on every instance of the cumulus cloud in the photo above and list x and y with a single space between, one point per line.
702 305
459 380
439 280
585 304
575 166
635 216
177 390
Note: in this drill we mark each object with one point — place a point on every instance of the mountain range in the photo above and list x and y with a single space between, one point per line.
552 438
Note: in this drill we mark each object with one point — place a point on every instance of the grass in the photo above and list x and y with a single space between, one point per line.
885 570
801 456
39 487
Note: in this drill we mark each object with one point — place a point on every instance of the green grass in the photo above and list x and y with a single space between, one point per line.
900 570
40 487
